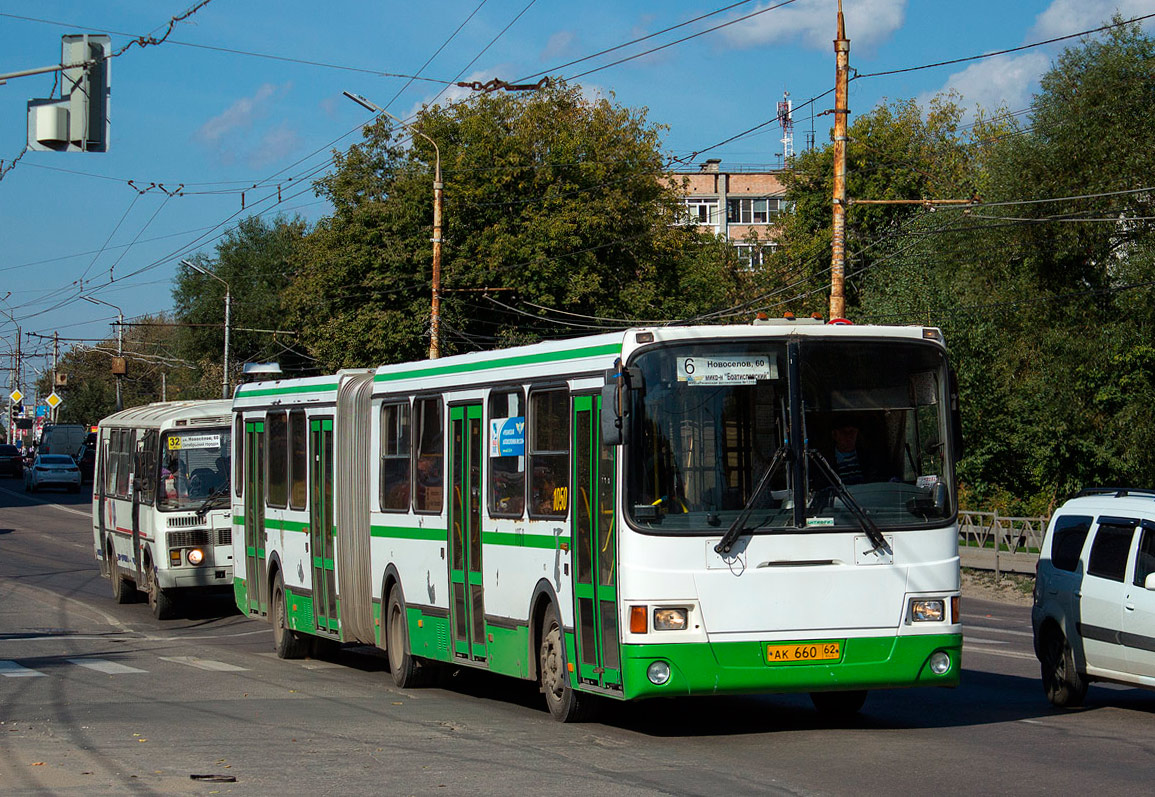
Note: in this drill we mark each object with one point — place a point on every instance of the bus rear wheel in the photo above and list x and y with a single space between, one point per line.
287 643
123 591
565 704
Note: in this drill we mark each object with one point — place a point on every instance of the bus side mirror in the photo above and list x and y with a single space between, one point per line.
615 402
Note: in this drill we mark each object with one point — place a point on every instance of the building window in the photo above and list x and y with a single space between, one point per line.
758 210
754 255
701 211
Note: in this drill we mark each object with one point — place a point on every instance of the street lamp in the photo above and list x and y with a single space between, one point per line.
435 304
228 313
119 341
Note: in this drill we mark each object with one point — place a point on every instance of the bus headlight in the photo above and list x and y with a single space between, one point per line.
924 610
939 663
658 673
669 619
196 556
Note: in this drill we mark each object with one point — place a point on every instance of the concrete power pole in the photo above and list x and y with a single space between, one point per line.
838 228
55 365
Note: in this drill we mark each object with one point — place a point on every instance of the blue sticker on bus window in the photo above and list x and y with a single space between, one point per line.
507 436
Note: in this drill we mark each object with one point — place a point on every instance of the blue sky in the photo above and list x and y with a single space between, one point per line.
207 114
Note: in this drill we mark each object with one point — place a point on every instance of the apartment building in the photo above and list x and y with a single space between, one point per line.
735 203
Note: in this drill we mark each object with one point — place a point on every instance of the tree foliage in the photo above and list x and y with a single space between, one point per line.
558 220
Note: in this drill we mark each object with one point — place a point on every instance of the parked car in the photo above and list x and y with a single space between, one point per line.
52 470
1094 603
11 462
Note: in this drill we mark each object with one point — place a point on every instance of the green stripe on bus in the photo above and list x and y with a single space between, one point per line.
286 525
523 540
282 391
503 362
405 533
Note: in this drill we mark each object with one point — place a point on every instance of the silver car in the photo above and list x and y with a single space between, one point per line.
1094 604
52 470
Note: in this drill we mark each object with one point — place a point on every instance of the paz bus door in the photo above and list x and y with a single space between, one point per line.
594 551
467 606
255 572
321 524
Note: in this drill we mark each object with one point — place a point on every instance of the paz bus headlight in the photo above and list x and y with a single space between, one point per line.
669 619
196 556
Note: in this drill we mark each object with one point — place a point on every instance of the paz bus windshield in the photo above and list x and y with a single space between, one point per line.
194 465
709 418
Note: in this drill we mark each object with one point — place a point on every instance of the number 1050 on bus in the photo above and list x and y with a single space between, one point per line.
812 651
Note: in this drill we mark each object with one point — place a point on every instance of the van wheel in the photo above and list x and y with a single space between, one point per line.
1064 685
287 643
565 704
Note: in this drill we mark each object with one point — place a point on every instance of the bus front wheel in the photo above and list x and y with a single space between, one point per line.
159 601
286 642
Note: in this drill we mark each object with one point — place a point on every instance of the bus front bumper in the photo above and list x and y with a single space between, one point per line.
730 668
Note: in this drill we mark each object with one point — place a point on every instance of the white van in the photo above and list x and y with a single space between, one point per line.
62 438
1094 607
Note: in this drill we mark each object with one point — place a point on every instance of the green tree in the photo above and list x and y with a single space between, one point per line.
254 259
558 221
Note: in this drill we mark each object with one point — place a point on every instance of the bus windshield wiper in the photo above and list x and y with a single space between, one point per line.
872 531
215 495
739 525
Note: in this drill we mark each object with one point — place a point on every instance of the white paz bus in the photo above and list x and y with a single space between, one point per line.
655 512
160 501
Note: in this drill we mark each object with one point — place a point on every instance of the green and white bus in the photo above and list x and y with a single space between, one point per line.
654 512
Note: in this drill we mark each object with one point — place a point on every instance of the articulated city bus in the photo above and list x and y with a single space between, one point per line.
656 512
160 501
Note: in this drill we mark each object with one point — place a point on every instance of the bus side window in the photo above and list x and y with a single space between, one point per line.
428 483
147 467
395 463
299 459
549 453
239 455
507 465
277 489
111 460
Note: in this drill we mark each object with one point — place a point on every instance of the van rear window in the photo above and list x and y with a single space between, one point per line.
1109 551
1067 541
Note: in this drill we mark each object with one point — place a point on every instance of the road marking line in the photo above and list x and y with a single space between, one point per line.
10 669
308 664
204 664
105 666
31 500
994 630
968 640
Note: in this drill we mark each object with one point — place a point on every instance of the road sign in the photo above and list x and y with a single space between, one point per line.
15 395
53 400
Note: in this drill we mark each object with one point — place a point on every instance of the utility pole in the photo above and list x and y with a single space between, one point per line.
118 365
55 365
225 392
435 302
838 228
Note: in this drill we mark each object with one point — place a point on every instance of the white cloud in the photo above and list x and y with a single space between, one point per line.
1064 17
560 45
242 114
1003 81
274 145
813 22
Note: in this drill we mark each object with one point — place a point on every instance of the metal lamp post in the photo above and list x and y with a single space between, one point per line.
228 314
119 340
435 304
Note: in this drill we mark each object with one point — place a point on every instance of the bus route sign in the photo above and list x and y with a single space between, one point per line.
739 369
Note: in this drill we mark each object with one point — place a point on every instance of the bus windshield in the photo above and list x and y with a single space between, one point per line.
194 464
710 417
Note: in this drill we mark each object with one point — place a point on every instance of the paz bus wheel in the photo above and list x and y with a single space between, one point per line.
565 704
159 601
122 590
286 642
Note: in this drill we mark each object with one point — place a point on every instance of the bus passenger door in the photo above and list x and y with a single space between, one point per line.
467 606
594 551
321 523
255 516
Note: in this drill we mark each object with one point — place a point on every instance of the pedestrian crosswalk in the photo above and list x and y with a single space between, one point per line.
14 669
